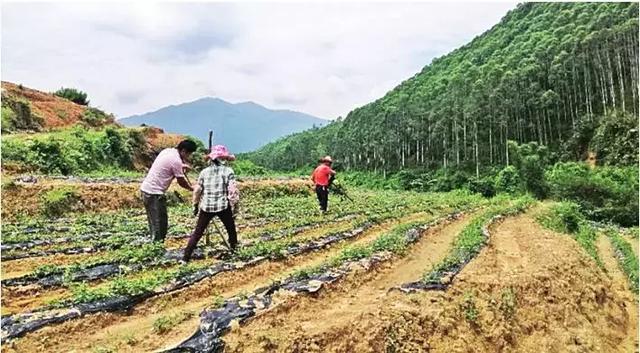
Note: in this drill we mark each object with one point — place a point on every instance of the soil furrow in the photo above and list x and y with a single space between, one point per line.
360 292
529 290
114 328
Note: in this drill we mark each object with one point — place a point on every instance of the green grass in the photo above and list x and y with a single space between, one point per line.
626 257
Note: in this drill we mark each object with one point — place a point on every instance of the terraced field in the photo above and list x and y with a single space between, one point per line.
388 271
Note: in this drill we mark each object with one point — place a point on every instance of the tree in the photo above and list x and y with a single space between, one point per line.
73 95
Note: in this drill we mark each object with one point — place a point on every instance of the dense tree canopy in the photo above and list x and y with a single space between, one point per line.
545 71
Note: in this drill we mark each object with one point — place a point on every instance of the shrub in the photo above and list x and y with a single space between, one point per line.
445 180
607 194
369 180
247 167
14 150
95 117
530 160
484 186
17 115
57 202
8 120
564 217
47 156
73 95
508 180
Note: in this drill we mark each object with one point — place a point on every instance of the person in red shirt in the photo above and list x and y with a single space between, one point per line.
320 178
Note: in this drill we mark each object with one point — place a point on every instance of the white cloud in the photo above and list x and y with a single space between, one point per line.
320 58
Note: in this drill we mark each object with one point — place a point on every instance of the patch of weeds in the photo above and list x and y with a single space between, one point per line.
269 249
139 253
10 185
55 303
352 253
395 241
586 237
164 324
391 341
243 295
469 308
217 301
187 270
58 202
140 285
307 272
508 303
130 339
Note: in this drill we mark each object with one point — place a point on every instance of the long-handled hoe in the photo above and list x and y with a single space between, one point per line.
224 241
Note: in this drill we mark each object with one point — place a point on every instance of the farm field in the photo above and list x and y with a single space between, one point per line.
480 163
385 271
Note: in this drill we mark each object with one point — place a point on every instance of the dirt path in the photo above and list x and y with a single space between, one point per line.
620 283
280 328
536 290
132 332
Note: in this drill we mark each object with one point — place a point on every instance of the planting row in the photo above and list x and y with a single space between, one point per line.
467 245
215 321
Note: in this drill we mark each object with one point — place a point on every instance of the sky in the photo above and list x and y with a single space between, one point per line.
324 59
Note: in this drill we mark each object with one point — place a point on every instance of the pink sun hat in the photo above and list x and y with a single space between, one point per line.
221 152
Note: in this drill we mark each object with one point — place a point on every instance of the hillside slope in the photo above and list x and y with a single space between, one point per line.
27 109
548 72
242 126
47 134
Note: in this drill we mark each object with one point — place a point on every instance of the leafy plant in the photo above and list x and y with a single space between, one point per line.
508 180
469 308
164 324
217 301
508 303
604 194
82 293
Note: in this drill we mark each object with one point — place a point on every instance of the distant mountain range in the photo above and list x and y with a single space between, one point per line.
242 127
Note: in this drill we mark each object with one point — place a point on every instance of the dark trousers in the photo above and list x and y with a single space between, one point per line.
204 218
156 207
323 196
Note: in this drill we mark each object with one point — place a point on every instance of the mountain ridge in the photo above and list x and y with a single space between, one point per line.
242 126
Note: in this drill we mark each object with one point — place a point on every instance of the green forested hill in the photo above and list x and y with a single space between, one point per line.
552 73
